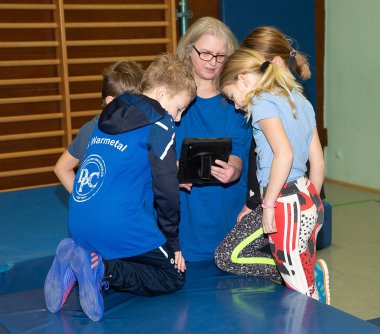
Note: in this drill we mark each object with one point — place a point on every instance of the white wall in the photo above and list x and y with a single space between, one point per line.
352 91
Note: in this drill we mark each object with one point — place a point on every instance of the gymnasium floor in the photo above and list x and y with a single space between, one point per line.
353 257
32 222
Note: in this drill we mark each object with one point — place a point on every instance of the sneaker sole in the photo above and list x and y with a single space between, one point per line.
55 294
90 297
326 281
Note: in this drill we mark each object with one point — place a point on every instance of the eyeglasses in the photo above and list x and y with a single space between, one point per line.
207 56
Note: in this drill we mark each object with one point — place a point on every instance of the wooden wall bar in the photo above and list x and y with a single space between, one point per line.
52 54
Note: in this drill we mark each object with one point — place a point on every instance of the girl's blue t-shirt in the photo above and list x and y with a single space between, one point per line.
299 131
209 212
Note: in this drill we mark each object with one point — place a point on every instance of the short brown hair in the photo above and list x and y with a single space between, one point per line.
122 77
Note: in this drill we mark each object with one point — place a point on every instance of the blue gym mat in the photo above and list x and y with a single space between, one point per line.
34 221
211 302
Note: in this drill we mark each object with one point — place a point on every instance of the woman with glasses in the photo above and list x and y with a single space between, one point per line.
208 212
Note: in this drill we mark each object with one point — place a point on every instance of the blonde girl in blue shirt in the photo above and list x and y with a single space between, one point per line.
285 133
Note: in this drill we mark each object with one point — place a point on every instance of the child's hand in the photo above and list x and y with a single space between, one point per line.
186 186
224 173
245 211
180 261
269 221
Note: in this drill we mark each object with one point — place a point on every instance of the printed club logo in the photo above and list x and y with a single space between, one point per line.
90 179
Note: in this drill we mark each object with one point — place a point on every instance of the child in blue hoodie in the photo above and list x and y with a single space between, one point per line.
124 76
124 208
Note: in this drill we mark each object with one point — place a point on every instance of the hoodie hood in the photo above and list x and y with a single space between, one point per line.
129 112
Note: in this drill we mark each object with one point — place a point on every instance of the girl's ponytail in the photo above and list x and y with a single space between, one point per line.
301 65
271 42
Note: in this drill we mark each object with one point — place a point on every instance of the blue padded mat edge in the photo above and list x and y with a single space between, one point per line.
211 302
34 221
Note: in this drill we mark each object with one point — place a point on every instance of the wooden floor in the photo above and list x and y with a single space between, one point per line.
353 257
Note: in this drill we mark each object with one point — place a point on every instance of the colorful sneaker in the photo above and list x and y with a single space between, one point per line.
322 281
60 279
89 270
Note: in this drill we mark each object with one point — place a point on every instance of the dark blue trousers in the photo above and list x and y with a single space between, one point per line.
151 274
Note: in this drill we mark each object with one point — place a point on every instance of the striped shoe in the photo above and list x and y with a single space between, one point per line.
60 279
322 281
89 270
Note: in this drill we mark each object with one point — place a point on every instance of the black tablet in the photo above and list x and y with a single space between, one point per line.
197 157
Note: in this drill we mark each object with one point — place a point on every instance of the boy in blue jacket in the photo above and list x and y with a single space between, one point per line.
124 208
124 76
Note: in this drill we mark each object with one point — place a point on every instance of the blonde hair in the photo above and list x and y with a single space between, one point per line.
169 71
271 42
274 80
203 26
121 77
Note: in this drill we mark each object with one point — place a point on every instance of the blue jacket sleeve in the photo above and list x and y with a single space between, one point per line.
163 157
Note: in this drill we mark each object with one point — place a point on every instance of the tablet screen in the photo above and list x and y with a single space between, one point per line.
197 157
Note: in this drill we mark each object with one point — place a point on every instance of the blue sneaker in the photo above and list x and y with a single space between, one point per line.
89 270
322 281
60 279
